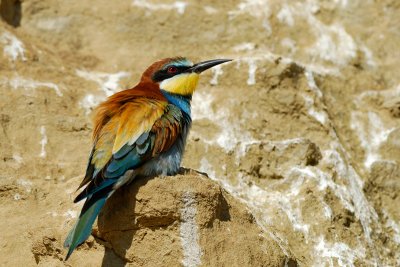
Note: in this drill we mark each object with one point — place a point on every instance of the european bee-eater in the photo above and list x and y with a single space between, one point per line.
138 132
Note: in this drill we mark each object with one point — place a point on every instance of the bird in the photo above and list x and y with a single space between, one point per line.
140 131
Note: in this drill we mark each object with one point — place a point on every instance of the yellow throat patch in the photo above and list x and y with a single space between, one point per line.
182 84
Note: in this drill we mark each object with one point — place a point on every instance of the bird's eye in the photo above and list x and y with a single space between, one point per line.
172 69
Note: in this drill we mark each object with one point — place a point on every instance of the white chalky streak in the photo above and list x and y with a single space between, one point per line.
395 226
13 47
244 47
341 252
189 232
368 56
210 10
70 214
25 184
108 82
26 83
285 16
361 207
320 116
178 5
372 134
217 71
43 142
333 43
18 158
290 44
205 166
90 101
202 105
252 72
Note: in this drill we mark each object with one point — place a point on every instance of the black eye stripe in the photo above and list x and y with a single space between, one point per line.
180 69
163 74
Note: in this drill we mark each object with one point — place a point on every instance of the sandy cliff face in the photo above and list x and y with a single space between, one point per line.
302 128
186 219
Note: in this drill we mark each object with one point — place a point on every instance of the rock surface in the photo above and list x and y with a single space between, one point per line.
302 127
186 219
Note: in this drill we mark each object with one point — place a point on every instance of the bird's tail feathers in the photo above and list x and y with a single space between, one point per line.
83 227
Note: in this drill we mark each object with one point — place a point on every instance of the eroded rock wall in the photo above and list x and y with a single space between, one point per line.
302 127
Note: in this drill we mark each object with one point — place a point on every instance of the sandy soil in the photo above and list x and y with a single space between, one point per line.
303 127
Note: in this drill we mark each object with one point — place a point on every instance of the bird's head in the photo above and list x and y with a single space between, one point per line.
178 75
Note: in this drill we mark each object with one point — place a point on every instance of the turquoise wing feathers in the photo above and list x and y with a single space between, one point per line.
102 176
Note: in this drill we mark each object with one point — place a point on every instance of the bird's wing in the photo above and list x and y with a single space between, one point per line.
143 129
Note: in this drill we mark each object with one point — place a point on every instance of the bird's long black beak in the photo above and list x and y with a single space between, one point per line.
202 66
